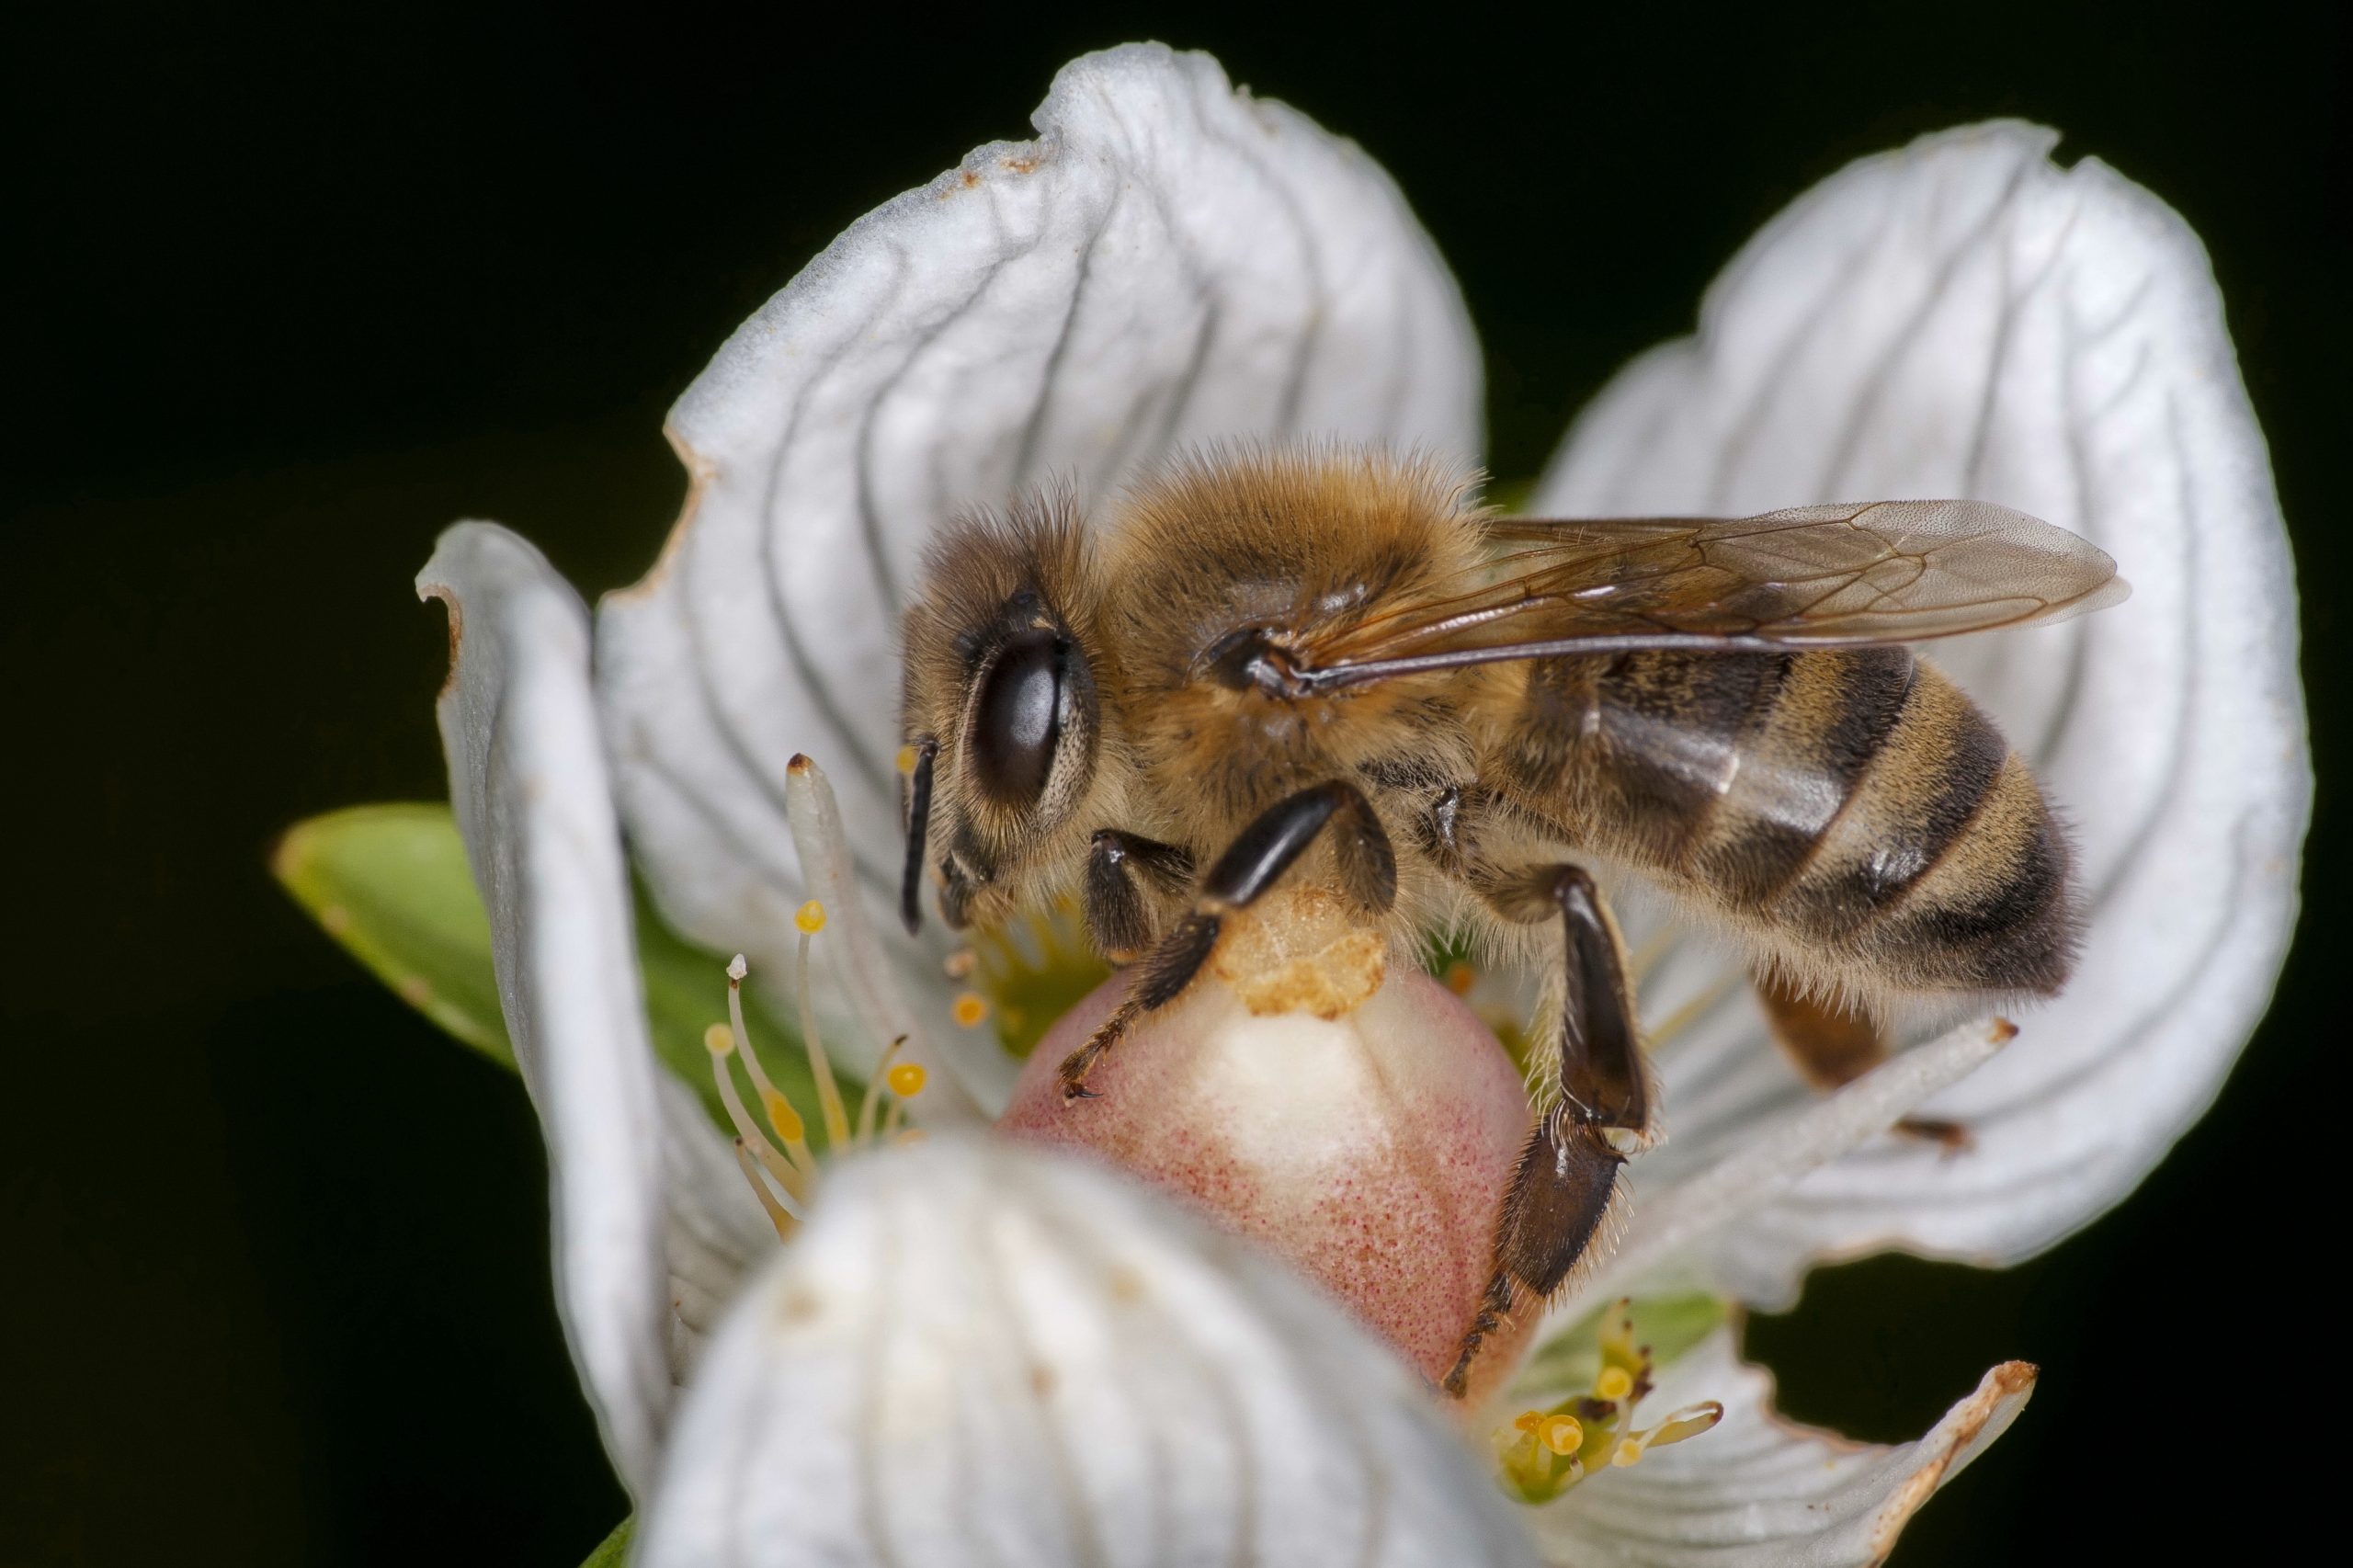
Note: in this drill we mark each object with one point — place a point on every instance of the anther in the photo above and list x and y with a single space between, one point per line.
809 918
905 1080
969 1009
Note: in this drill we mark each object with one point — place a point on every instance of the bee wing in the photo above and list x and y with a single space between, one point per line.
1807 577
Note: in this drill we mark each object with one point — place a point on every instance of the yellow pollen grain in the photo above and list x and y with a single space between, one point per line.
1615 1382
970 1008
719 1039
810 917
906 761
1528 1421
905 1080
783 1117
1562 1434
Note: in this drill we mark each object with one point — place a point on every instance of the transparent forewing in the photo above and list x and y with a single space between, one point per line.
1809 576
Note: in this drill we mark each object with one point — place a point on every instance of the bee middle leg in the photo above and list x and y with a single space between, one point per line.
1269 845
1562 1189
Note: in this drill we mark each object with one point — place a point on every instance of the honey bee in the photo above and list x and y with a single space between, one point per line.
1328 666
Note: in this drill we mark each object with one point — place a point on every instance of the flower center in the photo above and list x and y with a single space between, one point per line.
1343 1109
773 1148
1544 1452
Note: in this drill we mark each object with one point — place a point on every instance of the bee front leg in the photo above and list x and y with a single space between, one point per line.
1124 870
1251 866
1556 1212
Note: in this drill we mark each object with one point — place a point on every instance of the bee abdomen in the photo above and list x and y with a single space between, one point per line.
1851 807
1943 868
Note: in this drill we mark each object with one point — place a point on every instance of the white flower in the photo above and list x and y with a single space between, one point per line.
951 1363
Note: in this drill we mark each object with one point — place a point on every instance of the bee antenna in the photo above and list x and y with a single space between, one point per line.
918 823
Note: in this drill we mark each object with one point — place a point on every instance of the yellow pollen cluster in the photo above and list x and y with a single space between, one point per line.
777 1160
1545 1452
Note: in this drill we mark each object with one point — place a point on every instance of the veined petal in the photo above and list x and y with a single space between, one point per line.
1171 261
1758 1492
976 1353
1964 318
529 786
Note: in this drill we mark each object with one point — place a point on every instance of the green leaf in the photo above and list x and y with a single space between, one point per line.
613 1550
390 883
1667 1325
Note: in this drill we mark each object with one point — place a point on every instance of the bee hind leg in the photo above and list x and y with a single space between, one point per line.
1249 869
1556 1214
1831 1046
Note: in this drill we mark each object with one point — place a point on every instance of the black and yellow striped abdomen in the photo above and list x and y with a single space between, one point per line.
1849 810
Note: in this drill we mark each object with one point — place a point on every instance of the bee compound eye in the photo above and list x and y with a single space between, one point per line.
1024 705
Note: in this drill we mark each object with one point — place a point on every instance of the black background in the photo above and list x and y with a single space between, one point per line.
290 294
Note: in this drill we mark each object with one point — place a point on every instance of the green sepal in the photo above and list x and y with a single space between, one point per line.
613 1550
390 884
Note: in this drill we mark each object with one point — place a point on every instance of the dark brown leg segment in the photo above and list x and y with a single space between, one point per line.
1120 867
1832 1046
1562 1189
1250 867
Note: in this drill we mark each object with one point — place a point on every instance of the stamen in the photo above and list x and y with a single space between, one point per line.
1555 1449
821 1067
874 1093
1646 958
969 1009
782 1212
1461 977
891 1120
721 1043
781 1115
1690 1012
907 1080
824 847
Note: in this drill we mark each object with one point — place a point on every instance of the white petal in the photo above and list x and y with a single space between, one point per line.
1759 1493
980 1353
1171 261
1964 318
629 1175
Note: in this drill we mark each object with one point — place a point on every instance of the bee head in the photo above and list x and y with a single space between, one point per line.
1001 704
